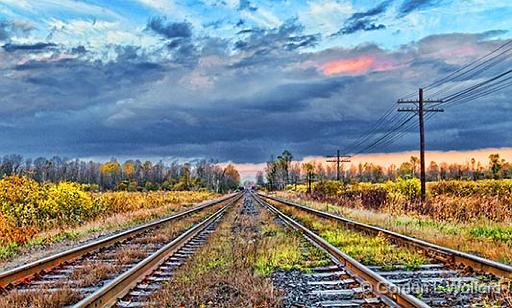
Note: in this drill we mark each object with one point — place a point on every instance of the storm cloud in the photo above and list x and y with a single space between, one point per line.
364 21
183 92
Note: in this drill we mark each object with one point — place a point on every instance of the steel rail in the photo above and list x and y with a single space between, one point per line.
380 285
439 252
28 270
108 295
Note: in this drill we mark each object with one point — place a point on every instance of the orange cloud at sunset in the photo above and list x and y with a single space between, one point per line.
348 66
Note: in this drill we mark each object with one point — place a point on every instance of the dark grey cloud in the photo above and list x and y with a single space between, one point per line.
27 47
409 6
170 29
238 102
270 45
287 36
364 21
179 39
79 50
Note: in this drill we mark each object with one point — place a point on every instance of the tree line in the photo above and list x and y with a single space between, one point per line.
131 175
283 171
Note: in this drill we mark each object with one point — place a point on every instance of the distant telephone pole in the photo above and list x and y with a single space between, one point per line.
420 110
339 159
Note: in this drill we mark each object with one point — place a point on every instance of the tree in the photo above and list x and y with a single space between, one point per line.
260 180
232 177
495 164
406 170
308 170
433 171
284 161
414 165
271 172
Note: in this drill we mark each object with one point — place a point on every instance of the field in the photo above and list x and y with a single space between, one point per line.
34 214
471 216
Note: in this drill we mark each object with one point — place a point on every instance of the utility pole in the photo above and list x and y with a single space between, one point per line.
420 110
339 159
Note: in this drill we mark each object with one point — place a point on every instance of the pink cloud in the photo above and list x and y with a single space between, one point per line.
348 66
356 65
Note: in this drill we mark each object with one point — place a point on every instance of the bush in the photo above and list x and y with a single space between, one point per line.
65 204
409 189
27 207
374 198
328 188
501 188
19 200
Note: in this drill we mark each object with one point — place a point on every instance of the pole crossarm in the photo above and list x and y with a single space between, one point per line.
417 110
413 101
339 159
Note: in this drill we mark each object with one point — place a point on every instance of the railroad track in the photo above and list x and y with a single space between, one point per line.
452 278
111 259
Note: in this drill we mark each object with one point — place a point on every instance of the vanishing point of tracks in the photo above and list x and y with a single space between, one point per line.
480 281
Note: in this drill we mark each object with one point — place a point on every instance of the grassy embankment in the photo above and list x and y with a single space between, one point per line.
90 274
36 215
474 217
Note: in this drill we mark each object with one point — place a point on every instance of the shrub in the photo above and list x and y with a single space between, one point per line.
374 198
65 204
409 189
500 188
19 200
27 207
328 188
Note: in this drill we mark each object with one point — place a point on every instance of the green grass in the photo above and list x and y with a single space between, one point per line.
495 233
425 223
286 250
370 250
8 251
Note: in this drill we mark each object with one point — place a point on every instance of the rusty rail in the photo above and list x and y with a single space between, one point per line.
108 295
26 271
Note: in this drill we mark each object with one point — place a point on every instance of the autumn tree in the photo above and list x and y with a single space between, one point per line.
260 179
232 177
406 170
495 164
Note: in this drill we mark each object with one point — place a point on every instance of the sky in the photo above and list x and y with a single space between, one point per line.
237 80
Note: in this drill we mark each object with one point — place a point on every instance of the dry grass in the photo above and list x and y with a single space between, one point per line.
92 273
220 274
40 299
465 237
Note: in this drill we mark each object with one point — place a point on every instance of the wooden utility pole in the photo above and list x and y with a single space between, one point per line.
339 160
420 110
